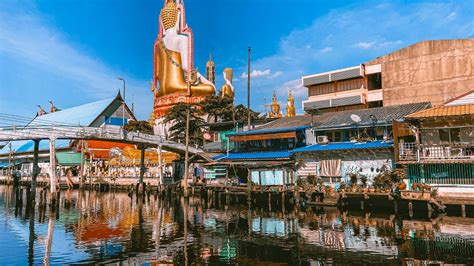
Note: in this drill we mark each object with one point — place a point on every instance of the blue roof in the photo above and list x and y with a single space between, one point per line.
254 155
83 115
267 131
345 146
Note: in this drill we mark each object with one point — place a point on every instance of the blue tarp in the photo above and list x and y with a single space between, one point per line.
254 155
345 146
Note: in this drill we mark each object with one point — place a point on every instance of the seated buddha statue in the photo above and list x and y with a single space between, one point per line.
172 61
227 89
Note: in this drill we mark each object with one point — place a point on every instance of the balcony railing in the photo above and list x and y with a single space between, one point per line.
457 151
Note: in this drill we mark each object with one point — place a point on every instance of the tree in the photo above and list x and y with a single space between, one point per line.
241 113
140 126
177 117
217 107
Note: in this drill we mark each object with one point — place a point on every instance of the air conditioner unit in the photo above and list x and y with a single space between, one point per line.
322 139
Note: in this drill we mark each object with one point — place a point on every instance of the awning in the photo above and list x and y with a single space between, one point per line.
69 158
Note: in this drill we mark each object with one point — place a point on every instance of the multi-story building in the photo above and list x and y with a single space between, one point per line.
428 71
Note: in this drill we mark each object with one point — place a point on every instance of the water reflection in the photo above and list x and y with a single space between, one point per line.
90 227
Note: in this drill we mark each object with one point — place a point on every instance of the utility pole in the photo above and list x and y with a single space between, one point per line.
248 90
123 100
186 153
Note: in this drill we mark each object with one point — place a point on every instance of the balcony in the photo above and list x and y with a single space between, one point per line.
423 152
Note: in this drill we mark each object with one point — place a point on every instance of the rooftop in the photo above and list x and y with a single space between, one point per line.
82 115
455 110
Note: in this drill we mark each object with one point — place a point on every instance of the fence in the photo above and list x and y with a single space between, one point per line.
446 173
455 151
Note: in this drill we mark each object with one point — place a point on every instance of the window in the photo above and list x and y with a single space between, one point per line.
455 134
351 84
444 136
374 81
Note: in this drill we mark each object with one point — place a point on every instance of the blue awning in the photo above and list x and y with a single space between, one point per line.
268 131
254 155
346 146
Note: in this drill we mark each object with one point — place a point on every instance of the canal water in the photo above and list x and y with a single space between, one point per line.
93 227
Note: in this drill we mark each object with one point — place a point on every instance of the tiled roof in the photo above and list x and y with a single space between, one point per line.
456 110
288 122
254 155
345 146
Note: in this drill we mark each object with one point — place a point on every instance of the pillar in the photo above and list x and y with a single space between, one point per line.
52 166
160 167
35 170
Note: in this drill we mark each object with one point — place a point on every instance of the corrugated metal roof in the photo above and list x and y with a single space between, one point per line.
345 146
267 131
79 115
384 115
343 118
254 155
456 110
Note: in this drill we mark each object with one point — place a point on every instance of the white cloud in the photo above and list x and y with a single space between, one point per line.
27 38
261 73
451 15
326 50
365 45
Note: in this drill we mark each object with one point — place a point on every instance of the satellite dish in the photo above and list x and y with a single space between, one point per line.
355 118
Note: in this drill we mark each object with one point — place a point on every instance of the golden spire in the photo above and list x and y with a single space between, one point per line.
151 120
274 107
210 70
290 105
169 15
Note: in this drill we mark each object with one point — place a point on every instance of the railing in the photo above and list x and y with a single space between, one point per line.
457 151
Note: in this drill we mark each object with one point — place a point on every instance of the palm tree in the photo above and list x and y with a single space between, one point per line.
140 126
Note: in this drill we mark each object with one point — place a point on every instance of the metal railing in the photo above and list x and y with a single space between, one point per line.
455 151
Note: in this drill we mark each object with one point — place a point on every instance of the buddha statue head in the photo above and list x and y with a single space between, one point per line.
169 15
228 74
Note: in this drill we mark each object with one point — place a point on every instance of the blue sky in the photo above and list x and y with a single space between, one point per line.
71 51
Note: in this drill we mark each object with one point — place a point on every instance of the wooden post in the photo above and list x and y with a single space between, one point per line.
249 188
142 168
52 171
160 166
35 171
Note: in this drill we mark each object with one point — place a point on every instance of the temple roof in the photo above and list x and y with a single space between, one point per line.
82 115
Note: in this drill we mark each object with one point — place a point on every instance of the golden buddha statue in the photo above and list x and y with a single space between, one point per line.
290 105
274 108
228 89
173 66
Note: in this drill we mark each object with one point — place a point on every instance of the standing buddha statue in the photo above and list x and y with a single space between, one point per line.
228 89
290 105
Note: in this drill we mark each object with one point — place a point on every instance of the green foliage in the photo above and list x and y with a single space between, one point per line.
177 116
241 113
140 126
217 107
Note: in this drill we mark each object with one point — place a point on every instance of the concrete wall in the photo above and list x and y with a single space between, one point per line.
429 71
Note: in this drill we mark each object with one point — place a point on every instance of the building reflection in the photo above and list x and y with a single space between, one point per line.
91 227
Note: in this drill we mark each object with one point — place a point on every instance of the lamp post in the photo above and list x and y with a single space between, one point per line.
123 100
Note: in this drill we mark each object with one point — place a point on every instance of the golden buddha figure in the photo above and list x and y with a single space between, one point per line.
274 108
174 56
228 89
290 105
